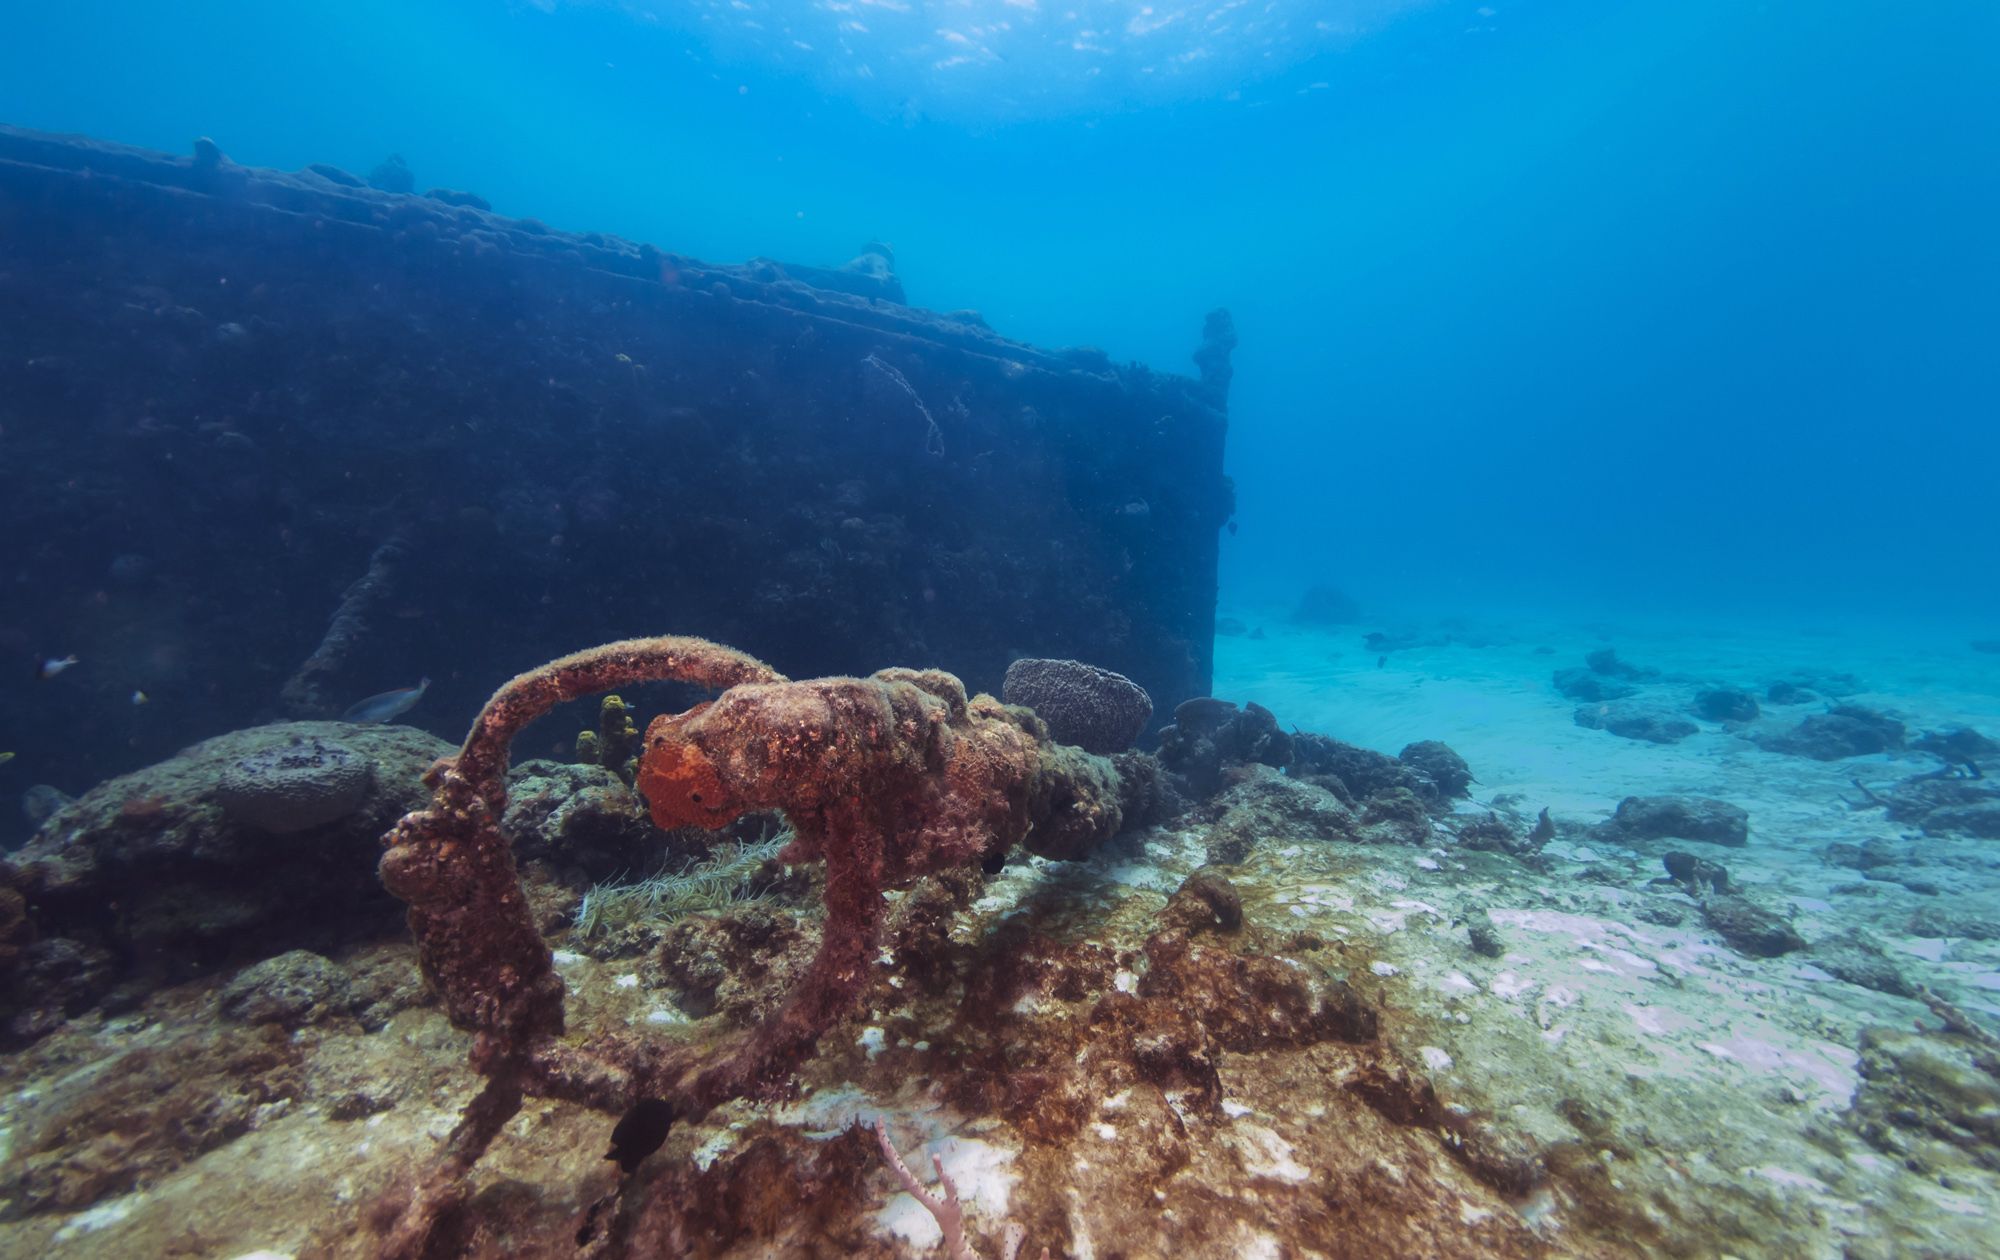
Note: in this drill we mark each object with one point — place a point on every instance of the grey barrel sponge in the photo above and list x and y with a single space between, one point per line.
295 786
1093 708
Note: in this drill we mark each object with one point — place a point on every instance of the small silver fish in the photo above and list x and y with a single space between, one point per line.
140 697
388 706
55 665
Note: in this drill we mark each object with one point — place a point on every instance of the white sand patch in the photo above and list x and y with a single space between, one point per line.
103 1216
1786 1177
1325 896
1654 1021
1508 985
1265 1154
985 1184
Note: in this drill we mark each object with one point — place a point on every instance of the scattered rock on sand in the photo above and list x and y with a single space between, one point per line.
1647 725
1591 687
1858 958
1680 818
1725 704
1937 921
1605 661
1493 834
1847 731
1748 927
1698 875
1981 820
1960 745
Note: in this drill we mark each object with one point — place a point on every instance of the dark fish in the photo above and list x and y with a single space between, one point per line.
640 1132
387 706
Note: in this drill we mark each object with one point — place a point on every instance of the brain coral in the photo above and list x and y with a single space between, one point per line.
295 786
1095 709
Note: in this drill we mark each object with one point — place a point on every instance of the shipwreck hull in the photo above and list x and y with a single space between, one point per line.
272 442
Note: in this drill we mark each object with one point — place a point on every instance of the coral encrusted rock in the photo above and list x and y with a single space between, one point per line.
1845 731
1725 704
1446 768
296 987
296 786
1633 722
1680 818
1093 708
240 847
1748 927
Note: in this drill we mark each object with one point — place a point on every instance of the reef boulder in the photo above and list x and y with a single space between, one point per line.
240 847
1591 687
1724 704
1679 818
1427 770
1748 927
1631 722
306 782
1446 768
1845 731
1980 819
295 988
1092 708
1209 738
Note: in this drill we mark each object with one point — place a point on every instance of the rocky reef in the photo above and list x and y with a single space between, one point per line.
1267 993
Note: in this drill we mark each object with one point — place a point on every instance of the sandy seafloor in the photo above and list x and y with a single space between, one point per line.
1611 996
1710 1104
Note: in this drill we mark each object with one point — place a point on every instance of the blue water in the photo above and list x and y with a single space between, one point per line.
1657 307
